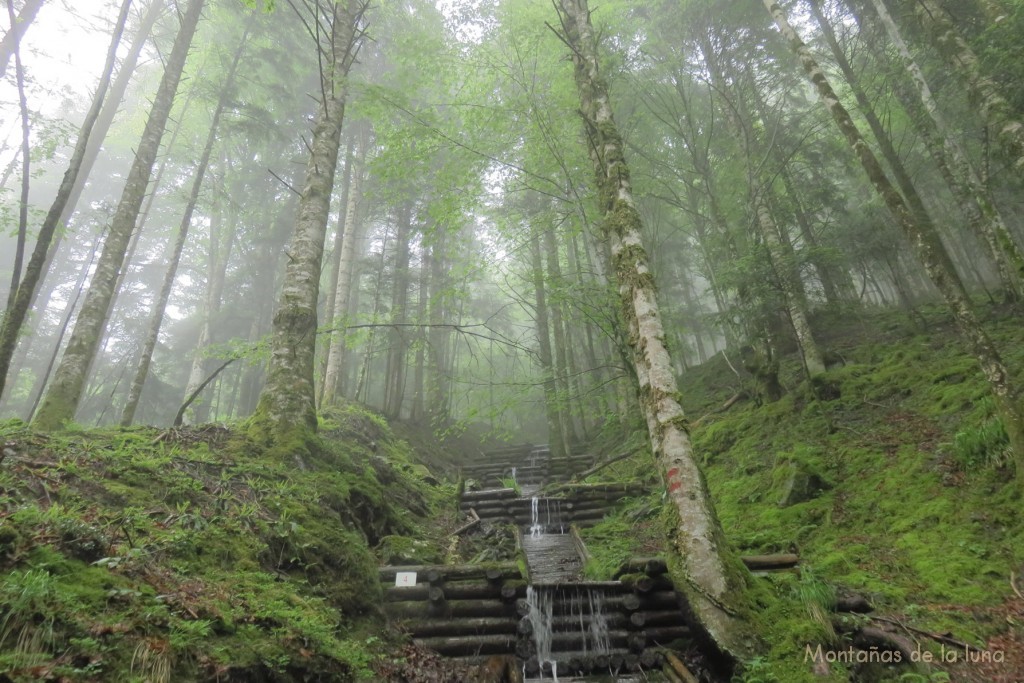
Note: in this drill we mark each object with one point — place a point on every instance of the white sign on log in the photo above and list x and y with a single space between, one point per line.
405 578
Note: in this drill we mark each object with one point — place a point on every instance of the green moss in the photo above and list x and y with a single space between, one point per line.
178 558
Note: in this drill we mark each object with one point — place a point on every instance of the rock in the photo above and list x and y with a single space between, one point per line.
802 485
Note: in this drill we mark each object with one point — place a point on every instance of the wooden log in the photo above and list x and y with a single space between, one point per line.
489 494
509 592
454 609
663 635
470 645
657 618
680 669
429 628
769 562
460 590
852 602
652 566
651 658
452 572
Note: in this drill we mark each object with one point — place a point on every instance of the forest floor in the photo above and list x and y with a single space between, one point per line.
189 554
918 510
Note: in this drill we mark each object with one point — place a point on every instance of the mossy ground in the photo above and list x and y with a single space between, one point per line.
923 515
142 555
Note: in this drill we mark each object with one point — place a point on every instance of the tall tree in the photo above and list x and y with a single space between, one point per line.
19 24
926 242
62 398
22 298
157 314
709 574
287 404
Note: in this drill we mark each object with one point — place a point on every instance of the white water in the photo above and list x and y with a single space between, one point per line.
538 528
541 604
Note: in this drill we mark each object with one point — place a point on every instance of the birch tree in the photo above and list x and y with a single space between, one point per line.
21 299
708 573
925 240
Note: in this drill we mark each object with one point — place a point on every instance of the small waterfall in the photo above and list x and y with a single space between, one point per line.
567 619
542 523
514 480
541 605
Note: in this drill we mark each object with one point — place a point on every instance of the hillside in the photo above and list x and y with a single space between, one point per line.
917 510
189 554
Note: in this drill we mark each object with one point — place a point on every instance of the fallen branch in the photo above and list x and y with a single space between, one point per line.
469 525
737 397
937 637
1013 585
600 466
180 417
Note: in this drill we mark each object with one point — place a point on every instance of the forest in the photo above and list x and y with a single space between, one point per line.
280 277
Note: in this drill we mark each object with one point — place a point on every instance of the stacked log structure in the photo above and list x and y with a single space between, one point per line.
580 505
457 610
527 465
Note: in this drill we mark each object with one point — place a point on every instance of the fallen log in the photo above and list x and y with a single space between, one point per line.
652 566
600 466
470 645
452 572
428 628
768 562
678 668
475 522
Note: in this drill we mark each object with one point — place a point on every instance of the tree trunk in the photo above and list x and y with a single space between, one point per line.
926 242
561 347
62 399
111 105
710 576
439 337
334 375
552 401
157 316
993 106
339 245
287 404
962 177
34 271
19 24
394 373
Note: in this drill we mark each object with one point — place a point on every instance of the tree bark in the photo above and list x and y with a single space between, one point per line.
19 24
710 576
394 373
993 106
157 316
963 178
287 404
552 401
34 271
65 392
334 375
927 244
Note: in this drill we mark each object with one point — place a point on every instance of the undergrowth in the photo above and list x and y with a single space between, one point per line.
146 555
919 513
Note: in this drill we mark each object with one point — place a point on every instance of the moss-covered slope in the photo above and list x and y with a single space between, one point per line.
916 506
146 555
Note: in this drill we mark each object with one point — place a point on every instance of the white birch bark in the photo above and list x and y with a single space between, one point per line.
708 574
925 240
